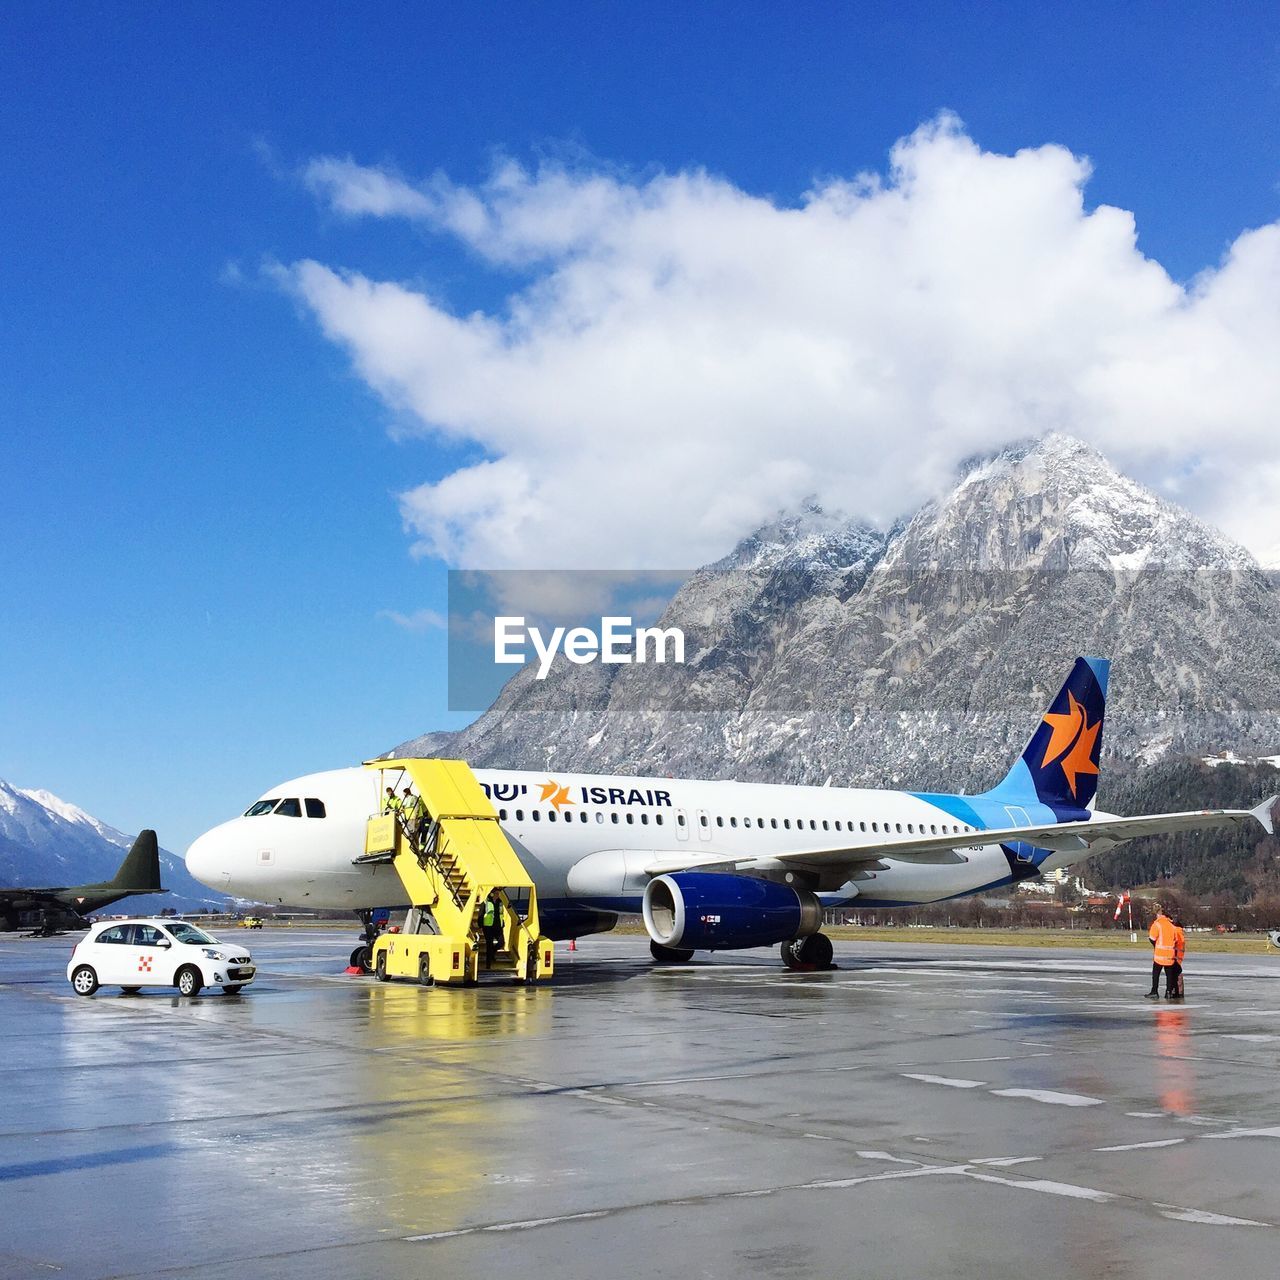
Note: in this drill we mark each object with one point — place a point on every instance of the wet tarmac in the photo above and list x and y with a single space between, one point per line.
922 1111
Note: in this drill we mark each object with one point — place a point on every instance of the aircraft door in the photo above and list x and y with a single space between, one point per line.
682 825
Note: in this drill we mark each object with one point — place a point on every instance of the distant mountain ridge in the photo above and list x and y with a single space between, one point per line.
44 842
822 648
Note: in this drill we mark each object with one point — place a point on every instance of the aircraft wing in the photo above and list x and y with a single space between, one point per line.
1081 838
37 897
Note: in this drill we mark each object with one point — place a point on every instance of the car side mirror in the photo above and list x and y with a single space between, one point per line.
164 944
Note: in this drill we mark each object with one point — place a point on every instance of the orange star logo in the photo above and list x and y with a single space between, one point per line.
1072 737
558 795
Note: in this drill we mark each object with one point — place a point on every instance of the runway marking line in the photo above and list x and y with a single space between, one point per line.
1050 1097
1143 1146
1271 1132
1205 1218
1068 1189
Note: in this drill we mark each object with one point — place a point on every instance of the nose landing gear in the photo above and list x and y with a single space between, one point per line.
362 957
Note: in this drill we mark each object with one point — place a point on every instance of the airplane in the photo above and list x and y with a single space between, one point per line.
138 873
719 865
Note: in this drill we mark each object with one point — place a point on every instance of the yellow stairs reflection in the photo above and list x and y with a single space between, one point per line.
450 861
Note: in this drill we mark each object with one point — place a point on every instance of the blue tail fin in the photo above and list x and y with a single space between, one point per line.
1060 764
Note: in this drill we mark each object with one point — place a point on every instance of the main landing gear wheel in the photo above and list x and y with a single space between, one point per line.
807 954
669 955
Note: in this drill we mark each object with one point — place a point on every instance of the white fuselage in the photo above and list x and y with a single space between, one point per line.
586 840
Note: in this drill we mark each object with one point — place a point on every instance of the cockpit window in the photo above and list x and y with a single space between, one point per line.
263 806
315 808
288 809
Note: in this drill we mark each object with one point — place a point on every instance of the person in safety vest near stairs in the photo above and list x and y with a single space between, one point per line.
1163 934
392 802
1179 954
491 919
412 810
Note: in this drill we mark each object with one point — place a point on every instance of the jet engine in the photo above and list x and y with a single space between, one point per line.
704 911
558 923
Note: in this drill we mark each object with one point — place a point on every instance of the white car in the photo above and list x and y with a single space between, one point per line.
157 953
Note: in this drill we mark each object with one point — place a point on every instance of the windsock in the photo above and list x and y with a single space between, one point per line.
1124 897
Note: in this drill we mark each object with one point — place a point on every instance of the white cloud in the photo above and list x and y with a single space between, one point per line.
685 358
418 620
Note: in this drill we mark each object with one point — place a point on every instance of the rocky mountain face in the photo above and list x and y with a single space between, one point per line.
923 656
45 842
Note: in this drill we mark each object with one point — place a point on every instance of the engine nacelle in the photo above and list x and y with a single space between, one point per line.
559 923
704 911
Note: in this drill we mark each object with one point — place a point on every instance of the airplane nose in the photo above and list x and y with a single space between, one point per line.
206 859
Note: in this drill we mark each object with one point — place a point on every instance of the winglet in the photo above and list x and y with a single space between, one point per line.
1263 814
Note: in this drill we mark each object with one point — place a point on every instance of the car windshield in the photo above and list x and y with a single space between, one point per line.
188 933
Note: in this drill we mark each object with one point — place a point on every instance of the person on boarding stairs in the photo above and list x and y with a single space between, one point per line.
1179 954
491 919
1163 934
392 802
413 811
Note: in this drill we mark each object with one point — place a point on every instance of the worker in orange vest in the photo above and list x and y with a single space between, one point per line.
1179 954
1163 934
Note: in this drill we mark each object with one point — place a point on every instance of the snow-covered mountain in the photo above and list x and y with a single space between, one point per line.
923 656
46 842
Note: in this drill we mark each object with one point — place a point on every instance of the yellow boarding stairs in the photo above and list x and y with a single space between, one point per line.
449 866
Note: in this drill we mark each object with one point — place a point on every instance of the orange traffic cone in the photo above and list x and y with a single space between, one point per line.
573 944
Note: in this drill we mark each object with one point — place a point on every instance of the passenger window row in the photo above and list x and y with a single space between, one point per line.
837 824
799 824
584 815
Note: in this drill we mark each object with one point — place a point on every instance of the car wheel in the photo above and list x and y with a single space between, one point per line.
188 981
84 982
380 967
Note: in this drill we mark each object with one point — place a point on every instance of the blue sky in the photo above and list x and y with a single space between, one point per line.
198 506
